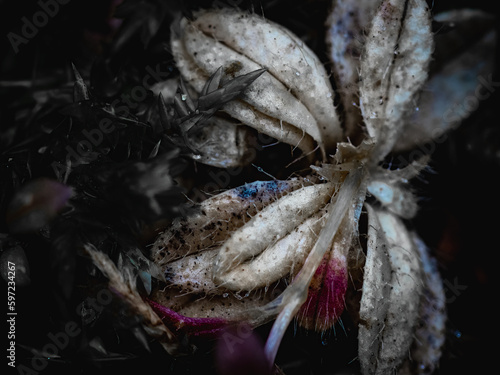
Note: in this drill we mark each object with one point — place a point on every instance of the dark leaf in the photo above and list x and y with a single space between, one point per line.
213 82
142 18
165 117
143 191
141 336
80 90
180 105
229 91
187 121
154 151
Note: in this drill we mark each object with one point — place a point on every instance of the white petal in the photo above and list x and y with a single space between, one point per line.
269 225
348 21
389 319
217 218
393 68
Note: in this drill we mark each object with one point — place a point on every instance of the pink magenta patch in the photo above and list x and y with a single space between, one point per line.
197 327
326 297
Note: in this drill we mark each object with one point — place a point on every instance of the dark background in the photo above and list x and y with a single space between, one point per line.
458 217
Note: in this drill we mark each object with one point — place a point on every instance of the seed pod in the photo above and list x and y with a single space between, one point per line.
230 306
191 273
285 255
205 315
292 101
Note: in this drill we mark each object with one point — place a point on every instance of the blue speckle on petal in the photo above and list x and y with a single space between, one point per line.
249 191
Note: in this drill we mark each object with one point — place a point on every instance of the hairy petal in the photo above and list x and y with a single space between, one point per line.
394 67
277 261
348 21
430 332
396 311
217 218
325 297
272 223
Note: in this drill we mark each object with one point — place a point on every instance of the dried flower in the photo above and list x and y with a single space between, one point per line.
304 235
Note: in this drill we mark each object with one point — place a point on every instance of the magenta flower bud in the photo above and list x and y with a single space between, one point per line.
36 204
240 351
326 297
